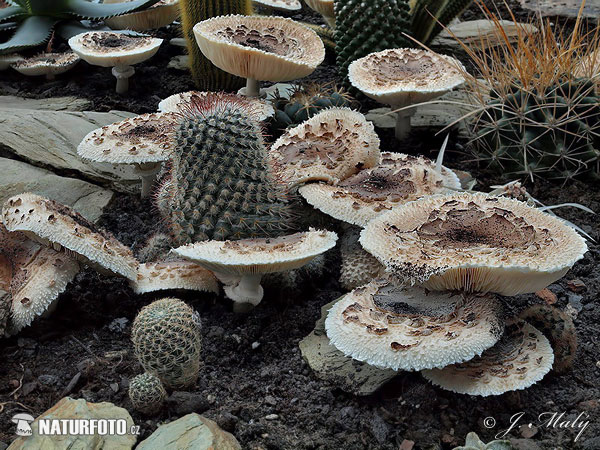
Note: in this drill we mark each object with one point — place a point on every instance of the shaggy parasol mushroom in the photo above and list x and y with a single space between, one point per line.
411 329
358 266
160 14
404 77
174 274
473 242
396 180
143 141
117 50
48 64
241 264
279 5
260 48
58 226
182 102
325 8
330 146
521 358
32 277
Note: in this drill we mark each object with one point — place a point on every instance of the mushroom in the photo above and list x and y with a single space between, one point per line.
144 141
260 48
404 77
117 50
396 180
358 266
330 146
7 60
404 328
23 420
58 226
174 274
325 8
521 358
160 14
473 242
48 64
183 101
241 264
286 6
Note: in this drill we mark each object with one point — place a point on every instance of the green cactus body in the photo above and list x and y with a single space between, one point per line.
167 342
428 16
147 393
553 134
367 26
206 75
219 184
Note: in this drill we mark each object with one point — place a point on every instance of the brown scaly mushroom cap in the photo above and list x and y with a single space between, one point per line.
280 5
473 242
396 180
59 226
330 146
325 8
411 329
48 64
162 275
358 266
7 60
161 14
521 358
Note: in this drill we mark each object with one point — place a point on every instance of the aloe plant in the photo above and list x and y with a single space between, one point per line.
36 19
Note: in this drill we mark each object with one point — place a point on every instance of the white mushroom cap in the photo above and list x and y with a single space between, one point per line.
46 64
110 49
330 146
521 358
259 255
323 7
181 102
280 5
473 242
358 266
59 226
405 76
260 48
396 180
411 329
158 15
140 139
162 275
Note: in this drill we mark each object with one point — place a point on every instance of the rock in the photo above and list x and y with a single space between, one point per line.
333 366
118 325
50 139
190 432
48 380
591 444
576 285
407 445
69 408
472 31
568 8
52 103
182 403
379 428
528 431
179 62
547 295
178 42
86 198
525 444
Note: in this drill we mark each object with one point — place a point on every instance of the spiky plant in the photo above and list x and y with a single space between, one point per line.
219 185
147 393
35 20
430 16
538 112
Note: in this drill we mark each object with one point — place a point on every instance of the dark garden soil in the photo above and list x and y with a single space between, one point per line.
254 382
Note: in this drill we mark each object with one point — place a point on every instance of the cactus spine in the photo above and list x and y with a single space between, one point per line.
147 394
207 76
428 16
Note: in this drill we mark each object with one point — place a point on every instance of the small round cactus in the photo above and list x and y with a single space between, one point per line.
147 393
167 342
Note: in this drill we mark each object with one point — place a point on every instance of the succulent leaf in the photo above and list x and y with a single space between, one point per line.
86 10
12 12
34 30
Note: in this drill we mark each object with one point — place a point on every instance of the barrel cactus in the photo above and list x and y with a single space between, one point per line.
147 393
167 342
430 16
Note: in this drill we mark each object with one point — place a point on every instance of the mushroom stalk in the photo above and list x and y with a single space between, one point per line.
147 173
122 74
252 88
403 125
242 289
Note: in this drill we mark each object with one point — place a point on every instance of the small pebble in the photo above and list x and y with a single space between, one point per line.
272 417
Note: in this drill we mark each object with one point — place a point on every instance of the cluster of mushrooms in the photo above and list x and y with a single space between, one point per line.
425 259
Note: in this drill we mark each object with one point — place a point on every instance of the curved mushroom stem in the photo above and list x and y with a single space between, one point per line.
122 74
329 20
147 173
403 121
244 290
252 88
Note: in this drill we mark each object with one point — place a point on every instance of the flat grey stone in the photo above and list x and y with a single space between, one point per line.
52 104
17 177
179 62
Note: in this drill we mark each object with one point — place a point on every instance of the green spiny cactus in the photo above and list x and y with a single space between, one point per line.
147 393
206 75
306 101
219 184
166 338
367 26
429 16
552 134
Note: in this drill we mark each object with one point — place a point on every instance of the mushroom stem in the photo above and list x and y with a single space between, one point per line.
252 88
246 290
147 173
330 21
403 126
122 74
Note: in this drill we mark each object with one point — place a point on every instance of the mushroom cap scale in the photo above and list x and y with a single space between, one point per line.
405 76
140 139
110 48
259 255
280 5
411 329
162 275
46 64
396 180
261 48
473 242
520 359
59 226
330 146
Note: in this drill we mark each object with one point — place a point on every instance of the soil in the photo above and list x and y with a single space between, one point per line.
253 369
